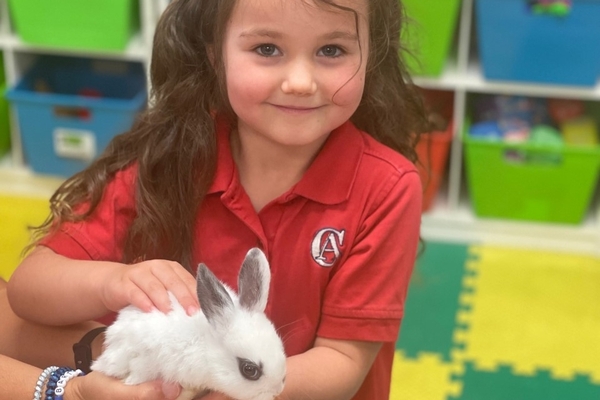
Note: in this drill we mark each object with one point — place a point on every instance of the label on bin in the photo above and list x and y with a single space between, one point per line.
74 143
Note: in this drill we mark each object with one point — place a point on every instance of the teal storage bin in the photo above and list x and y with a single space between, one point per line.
518 44
69 109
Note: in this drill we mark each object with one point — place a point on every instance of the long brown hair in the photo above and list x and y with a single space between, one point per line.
173 142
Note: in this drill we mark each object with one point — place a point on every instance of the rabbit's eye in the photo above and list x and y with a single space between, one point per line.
249 369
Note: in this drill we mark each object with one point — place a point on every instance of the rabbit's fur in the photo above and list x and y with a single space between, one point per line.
230 346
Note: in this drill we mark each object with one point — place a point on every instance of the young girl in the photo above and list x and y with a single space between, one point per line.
287 125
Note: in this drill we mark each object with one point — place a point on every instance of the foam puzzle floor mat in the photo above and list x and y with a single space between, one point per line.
481 322
492 323
16 214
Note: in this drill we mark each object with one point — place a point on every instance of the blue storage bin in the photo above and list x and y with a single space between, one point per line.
70 108
516 44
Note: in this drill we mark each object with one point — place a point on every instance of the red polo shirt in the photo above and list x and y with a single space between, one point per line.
341 243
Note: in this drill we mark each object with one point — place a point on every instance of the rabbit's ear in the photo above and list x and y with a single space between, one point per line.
215 302
254 280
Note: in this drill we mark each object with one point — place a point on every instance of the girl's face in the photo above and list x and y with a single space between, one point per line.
295 69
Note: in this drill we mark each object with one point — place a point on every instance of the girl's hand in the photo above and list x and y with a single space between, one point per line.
145 286
214 396
97 386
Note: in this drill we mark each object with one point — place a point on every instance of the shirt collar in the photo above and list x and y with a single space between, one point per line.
225 166
331 175
329 178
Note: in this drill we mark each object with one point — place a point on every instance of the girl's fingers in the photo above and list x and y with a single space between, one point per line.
214 396
171 390
161 277
97 386
183 286
146 286
155 291
140 299
154 390
188 279
145 391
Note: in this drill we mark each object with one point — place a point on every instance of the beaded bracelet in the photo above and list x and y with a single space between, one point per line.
62 382
37 395
52 381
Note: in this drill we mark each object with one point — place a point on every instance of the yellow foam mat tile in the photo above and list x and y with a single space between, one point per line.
16 214
533 310
425 378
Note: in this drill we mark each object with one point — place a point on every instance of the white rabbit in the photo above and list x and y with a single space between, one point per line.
230 346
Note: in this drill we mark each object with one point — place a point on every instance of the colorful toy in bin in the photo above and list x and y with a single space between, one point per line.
514 129
580 131
545 178
488 130
546 136
562 110
70 108
559 8
507 118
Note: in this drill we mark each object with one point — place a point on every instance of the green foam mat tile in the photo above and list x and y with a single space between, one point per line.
502 384
433 299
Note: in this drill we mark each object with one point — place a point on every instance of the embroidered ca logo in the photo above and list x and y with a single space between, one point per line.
326 245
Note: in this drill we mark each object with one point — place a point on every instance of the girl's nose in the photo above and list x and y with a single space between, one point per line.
299 80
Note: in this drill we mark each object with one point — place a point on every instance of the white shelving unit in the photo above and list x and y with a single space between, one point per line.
451 218
18 56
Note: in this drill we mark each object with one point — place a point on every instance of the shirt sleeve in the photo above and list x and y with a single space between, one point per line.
365 298
102 234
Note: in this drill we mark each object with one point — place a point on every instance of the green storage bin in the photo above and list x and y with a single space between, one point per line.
529 182
428 34
77 24
4 121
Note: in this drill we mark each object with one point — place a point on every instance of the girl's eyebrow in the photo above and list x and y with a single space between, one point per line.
261 33
344 35
253 33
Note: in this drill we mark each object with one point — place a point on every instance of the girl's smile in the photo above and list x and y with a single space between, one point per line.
296 110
